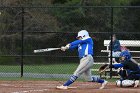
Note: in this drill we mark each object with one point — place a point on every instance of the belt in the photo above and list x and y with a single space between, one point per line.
83 56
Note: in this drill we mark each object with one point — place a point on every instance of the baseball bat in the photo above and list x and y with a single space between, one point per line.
45 50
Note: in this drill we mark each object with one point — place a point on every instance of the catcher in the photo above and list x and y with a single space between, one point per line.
130 74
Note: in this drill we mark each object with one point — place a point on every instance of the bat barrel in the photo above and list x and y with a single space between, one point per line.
45 50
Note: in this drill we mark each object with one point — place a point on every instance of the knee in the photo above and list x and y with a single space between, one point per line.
87 78
76 74
125 83
95 79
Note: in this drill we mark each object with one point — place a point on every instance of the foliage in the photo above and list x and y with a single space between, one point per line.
45 16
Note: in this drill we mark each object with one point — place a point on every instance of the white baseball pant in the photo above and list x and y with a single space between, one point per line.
84 67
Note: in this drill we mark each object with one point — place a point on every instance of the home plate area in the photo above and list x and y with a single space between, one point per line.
50 87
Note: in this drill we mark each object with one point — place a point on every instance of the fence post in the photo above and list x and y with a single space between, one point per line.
111 41
22 41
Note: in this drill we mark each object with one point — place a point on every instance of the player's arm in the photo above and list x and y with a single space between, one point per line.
77 42
69 46
74 44
73 47
116 66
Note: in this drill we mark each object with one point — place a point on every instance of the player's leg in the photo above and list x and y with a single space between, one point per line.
85 63
136 83
88 77
135 77
123 74
125 83
99 80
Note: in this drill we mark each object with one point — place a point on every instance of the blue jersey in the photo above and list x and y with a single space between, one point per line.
85 46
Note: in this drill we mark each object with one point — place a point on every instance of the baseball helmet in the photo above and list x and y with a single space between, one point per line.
83 33
125 55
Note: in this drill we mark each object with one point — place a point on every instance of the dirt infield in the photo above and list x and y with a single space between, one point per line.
50 87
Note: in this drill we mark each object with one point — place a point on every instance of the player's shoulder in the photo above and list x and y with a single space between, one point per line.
89 39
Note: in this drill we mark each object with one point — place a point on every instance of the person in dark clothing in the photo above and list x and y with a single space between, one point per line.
116 49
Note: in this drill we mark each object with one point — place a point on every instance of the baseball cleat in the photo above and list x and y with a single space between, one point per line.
136 83
103 85
62 87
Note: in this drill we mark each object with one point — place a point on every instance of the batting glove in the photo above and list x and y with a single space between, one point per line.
67 46
63 48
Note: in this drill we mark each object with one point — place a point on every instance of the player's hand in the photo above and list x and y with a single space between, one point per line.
67 46
63 48
111 66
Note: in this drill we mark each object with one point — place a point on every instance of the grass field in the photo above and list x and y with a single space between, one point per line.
49 69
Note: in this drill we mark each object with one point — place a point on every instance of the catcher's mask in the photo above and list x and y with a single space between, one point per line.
82 34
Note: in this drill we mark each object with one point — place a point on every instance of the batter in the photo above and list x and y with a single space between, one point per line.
84 44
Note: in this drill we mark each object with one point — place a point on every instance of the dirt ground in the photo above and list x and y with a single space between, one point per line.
50 87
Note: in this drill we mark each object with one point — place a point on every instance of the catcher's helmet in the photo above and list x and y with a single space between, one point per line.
83 34
125 55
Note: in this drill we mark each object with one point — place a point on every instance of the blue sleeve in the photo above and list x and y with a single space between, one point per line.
77 42
73 47
116 66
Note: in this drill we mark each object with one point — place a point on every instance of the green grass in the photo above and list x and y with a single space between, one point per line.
49 69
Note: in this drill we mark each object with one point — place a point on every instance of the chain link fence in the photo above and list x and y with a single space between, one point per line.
24 29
